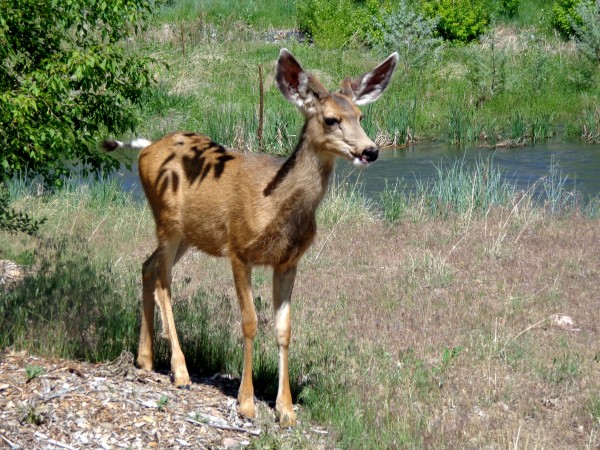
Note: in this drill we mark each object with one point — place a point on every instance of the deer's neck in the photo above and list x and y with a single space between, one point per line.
301 182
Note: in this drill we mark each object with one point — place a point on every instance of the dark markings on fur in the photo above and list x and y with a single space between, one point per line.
179 143
284 169
190 134
168 160
218 148
220 166
192 166
198 166
162 180
205 172
175 181
163 184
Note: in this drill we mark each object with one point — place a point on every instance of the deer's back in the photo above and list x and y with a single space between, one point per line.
213 198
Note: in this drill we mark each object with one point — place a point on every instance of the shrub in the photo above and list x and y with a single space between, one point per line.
564 15
458 20
410 34
337 23
510 8
587 34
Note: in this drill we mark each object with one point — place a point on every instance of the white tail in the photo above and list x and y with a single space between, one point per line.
136 144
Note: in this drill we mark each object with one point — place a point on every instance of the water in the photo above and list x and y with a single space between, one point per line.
522 167
578 162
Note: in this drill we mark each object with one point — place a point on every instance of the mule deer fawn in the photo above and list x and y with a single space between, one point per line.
253 209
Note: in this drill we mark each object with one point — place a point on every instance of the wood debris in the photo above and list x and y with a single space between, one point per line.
75 405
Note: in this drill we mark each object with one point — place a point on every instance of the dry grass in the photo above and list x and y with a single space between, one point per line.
411 292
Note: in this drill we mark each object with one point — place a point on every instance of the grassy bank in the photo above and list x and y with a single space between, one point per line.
435 324
520 83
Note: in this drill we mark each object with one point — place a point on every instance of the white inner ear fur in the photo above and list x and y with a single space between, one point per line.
304 98
362 99
369 98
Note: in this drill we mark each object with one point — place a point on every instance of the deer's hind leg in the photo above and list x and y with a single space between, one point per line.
156 278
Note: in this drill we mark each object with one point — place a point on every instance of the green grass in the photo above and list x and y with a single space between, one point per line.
266 14
33 372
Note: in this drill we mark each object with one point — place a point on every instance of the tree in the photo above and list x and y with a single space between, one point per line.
67 78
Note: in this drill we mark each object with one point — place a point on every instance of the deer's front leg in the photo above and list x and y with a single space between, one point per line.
283 283
242 273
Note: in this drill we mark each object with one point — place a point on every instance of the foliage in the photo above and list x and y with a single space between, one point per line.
409 33
565 16
64 80
393 201
587 33
458 20
510 8
486 73
460 187
33 372
338 23
15 221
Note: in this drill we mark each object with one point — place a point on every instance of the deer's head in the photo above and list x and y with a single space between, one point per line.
332 118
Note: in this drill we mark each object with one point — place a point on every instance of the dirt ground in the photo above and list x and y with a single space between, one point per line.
55 403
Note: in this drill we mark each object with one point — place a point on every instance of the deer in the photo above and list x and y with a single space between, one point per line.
255 209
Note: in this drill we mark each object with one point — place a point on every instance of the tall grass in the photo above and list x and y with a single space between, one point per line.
459 188
71 306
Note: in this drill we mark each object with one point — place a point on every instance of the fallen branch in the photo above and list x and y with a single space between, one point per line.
60 393
10 444
53 442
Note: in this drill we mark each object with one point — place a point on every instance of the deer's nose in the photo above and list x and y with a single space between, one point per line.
370 154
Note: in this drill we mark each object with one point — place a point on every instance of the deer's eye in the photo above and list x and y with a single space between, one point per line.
331 121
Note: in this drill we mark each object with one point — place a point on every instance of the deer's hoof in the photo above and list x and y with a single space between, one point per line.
247 408
287 417
144 362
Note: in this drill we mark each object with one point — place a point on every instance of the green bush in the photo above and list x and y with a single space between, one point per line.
413 36
564 16
338 23
65 80
458 20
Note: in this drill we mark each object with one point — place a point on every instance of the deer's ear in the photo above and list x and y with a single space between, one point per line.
369 87
299 87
